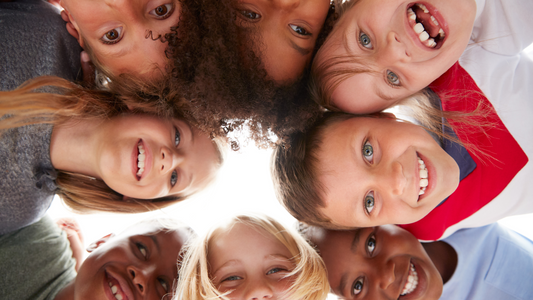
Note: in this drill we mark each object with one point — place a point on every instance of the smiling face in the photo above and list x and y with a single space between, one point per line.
140 263
288 31
379 171
384 262
118 31
399 48
145 157
250 263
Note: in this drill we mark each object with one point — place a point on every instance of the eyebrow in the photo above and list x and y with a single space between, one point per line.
302 51
156 242
383 95
356 238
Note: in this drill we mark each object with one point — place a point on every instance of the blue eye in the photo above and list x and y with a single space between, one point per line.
358 285
364 40
173 178
232 278
393 79
368 152
274 270
371 244
369 202
299 30
177 137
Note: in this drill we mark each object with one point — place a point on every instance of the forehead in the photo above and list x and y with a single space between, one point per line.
165 237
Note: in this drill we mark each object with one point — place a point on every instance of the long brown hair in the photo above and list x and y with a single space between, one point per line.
65 101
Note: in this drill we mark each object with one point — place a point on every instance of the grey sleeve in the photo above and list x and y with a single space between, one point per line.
36 262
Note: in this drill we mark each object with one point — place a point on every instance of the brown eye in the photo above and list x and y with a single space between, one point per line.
112 36
162 11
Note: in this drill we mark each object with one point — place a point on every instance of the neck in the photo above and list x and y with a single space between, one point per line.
73 145
444 258
67 293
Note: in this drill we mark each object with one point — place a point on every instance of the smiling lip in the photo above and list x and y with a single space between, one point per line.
431 177
123 289
134 160
421 288
414 36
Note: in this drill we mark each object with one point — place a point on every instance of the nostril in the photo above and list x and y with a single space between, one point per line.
398 40
132 273
140 287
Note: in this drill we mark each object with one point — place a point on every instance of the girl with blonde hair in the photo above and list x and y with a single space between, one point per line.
251 257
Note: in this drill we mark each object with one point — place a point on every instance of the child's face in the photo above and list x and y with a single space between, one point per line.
178 158
118 31
397 63
250 263
371 174
140 263
377 263
288 30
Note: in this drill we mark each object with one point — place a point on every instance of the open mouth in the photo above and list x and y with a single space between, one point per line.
411 283
426 26
140 159
115 288
423 171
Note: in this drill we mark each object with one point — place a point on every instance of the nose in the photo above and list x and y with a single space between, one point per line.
386 275
169 159
285 4
140 277
258 290
394 180
395 49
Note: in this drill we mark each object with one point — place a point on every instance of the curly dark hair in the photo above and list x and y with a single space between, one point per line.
214 67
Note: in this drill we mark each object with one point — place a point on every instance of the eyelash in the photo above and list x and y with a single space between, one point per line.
166 15
111 42
359 40
164 284
244 14
142 248
389 76
296 27
231 278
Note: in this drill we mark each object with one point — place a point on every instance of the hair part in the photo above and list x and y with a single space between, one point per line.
310 278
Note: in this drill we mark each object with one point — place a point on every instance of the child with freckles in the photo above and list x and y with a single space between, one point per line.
139 263
387 262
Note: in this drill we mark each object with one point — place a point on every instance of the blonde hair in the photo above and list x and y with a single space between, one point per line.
26 106
310 278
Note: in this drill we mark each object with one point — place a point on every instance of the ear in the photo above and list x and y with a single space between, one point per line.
71 25
94 245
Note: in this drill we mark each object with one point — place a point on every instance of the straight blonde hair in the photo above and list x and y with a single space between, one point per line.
310 277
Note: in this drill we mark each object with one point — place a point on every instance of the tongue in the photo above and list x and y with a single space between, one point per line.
425 19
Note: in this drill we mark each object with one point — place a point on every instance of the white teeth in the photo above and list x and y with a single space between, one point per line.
434 21
441 33
411 14
419 28
431 43
423 182
140 159
114 289
423 36
412 281
423 7
423 172
118 296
